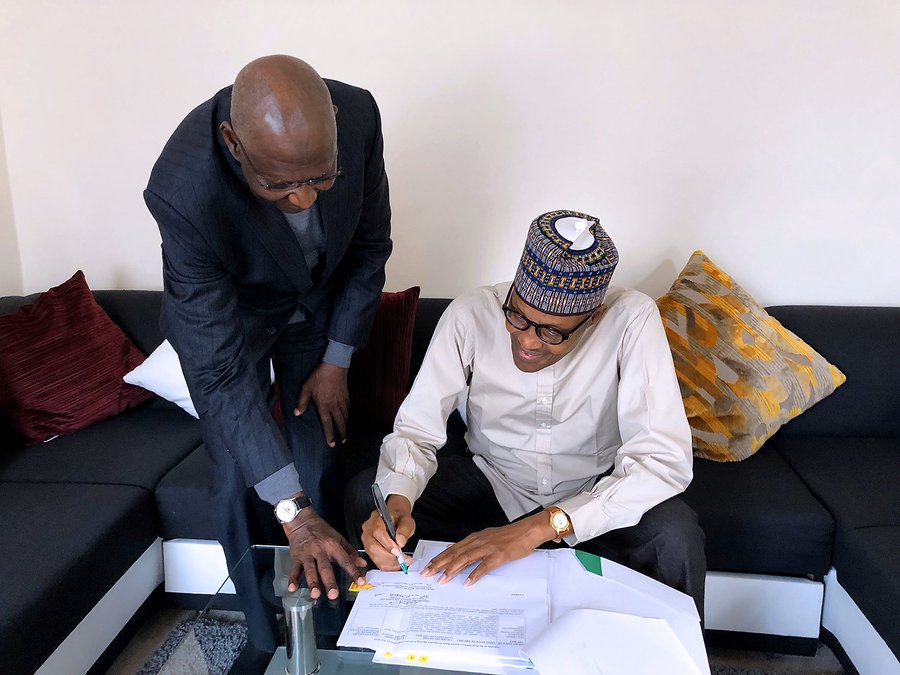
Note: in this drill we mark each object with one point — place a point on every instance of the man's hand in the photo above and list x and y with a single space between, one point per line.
376 540
314 544
327 387
494 546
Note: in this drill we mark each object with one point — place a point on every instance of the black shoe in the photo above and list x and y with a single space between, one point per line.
251 661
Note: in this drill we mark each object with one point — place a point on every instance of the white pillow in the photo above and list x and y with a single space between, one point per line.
161 373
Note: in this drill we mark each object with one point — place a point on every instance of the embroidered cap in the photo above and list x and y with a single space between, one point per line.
567 264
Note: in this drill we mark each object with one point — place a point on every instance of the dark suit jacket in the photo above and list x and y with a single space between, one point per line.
234 271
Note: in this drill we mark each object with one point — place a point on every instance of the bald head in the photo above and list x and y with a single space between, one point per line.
281 102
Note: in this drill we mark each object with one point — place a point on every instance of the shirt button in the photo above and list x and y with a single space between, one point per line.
545 424
545 400
593 531
544 482
271 331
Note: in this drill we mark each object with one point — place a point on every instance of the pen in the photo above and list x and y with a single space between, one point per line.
392 533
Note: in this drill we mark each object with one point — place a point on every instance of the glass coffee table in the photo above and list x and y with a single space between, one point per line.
272 564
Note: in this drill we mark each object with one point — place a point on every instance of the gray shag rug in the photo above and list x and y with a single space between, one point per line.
200 646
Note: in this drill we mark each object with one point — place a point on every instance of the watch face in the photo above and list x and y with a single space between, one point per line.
560 521
286 510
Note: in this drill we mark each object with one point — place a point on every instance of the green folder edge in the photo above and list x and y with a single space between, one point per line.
590 562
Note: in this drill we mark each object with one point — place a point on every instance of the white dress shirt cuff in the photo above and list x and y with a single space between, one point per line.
582 511
398 484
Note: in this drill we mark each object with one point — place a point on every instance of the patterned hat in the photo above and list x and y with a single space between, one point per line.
566 265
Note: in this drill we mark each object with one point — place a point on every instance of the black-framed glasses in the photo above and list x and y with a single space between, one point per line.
290 185
547 334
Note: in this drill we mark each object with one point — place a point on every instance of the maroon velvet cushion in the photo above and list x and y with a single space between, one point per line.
380 370
61 364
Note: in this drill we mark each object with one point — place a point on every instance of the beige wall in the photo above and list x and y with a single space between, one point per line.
765 133
10 265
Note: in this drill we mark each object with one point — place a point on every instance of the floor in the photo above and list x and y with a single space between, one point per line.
162 621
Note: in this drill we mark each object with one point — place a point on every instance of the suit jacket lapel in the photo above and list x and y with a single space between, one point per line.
273 231
334 212
334 208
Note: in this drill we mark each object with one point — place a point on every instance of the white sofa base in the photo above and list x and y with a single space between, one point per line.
765 604
195 566
98 629
862 643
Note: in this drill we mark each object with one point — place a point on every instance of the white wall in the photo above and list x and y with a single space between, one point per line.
765 133
10 265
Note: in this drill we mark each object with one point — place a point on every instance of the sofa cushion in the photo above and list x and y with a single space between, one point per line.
854 478
137 448
741 373
10 303
185 502
759 517
428 313
862 342
136 313
867 561
61 363
184 499
66 546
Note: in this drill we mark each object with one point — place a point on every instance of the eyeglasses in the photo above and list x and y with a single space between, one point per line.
547 334
290 185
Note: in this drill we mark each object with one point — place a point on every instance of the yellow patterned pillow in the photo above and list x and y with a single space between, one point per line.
742 374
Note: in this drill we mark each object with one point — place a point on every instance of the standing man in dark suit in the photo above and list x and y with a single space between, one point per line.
272 202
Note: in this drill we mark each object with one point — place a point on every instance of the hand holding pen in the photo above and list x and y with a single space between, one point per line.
387 529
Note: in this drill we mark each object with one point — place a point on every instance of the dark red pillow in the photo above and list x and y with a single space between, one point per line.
61 364
380 370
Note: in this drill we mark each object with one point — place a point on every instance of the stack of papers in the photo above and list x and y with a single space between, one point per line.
555 611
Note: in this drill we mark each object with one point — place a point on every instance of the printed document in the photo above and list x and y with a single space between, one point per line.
409 618
558 601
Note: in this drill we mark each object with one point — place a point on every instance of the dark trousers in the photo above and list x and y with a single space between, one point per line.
242 518
667 544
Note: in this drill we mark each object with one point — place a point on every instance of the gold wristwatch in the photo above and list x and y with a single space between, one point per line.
559 521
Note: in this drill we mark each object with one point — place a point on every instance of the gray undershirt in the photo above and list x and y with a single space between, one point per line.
310 233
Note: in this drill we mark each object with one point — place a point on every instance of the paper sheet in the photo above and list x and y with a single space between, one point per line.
609 643
408 619
617 591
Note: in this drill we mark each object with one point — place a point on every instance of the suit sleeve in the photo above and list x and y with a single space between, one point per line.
200 319
356 300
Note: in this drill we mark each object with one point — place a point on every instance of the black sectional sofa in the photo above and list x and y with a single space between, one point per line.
79 521
804 534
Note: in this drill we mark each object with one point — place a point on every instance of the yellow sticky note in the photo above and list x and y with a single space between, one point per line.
410 657
354 587
423 659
